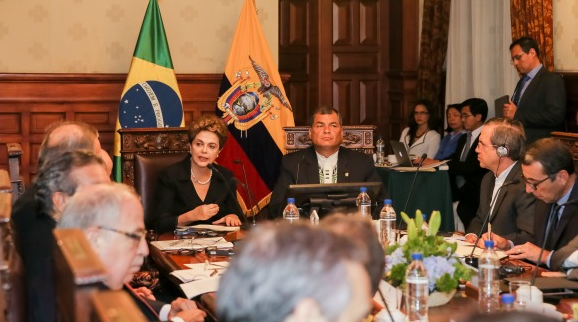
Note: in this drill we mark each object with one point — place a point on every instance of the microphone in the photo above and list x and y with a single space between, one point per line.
249 192
548 228
298 166
423 157
469 259
212 167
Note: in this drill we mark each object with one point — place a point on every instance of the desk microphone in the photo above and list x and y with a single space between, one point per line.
249 192
212 167
298 166
470 259
548 228
423 157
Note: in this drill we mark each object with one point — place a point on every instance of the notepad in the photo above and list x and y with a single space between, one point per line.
196 243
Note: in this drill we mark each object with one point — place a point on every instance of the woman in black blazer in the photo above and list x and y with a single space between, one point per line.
189 192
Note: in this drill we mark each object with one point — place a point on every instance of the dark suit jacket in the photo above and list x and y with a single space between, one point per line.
35 244
175 195
469 194
513 214
542 107
560 255
567 225
301 167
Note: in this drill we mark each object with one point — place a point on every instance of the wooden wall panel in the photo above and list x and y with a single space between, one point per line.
30 102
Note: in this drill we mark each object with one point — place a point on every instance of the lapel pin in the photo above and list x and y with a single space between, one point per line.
346 174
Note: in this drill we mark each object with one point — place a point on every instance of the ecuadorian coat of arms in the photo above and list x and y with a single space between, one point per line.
250 99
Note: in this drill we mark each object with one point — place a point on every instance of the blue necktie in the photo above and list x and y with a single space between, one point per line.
519 88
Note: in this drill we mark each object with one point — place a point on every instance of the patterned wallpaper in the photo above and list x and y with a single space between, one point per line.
88 36
565 35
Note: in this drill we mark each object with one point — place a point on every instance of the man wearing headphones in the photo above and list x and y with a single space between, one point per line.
502 195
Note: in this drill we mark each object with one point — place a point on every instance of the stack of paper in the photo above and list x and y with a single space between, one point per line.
200 271
192 243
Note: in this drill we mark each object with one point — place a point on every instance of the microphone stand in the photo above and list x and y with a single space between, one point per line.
251 200
212 167
423 157
471 260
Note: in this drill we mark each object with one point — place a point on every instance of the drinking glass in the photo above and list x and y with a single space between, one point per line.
523 293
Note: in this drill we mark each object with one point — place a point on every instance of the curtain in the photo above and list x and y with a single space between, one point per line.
433 48
534 18
478 59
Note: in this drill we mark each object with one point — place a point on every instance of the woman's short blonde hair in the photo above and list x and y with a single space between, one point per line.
211 123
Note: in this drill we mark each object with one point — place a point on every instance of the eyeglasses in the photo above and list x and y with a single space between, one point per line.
138 236
465 116
517 57
420 113
482 145
534 185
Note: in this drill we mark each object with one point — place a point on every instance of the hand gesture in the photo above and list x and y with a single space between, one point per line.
229 220
204 212
510 110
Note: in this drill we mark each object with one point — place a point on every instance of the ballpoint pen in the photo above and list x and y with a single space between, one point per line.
489 231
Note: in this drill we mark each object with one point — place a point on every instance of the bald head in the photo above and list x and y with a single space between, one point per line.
65 137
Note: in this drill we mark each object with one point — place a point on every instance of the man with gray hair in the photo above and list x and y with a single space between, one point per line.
295 272
112 218
57 181
503 196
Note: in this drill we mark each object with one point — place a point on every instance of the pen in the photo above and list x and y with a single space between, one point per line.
489 231
214 273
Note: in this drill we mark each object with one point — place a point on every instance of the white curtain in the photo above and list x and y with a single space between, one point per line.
478 58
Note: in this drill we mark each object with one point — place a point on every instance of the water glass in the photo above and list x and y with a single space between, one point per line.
523 293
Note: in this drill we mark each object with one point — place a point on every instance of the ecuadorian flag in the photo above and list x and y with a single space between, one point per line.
253 102
151 96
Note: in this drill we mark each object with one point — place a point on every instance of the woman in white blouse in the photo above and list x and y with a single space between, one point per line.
420 136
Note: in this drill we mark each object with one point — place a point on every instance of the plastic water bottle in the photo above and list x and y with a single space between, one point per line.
508 302
363 203
380 151
387 229
291 213
489 279
416 289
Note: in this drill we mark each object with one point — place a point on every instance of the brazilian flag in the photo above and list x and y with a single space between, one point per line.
151 96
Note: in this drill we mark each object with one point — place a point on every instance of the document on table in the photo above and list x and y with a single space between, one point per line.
194 243
213 227
199 287
424 168
200 271
465 249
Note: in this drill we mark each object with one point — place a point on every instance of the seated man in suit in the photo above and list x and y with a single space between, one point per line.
548 170
324 162
295 272
112 218
503 193
57 180
464 167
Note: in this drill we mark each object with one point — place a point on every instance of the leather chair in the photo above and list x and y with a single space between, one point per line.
14 155
146 171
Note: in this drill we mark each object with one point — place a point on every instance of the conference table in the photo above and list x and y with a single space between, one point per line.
431 192
462 305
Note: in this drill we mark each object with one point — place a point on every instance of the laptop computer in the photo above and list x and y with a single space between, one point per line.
400 151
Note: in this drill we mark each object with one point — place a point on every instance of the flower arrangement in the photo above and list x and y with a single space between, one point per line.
444 268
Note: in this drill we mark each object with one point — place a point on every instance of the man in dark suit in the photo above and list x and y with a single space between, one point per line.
464 168
548 170
324 162
539 100
112 219
503 193
566 258
33 224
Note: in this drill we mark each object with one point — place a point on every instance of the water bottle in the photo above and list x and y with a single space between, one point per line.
489 279
291 213
387 231
380 151
416 289
508 302
363 203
